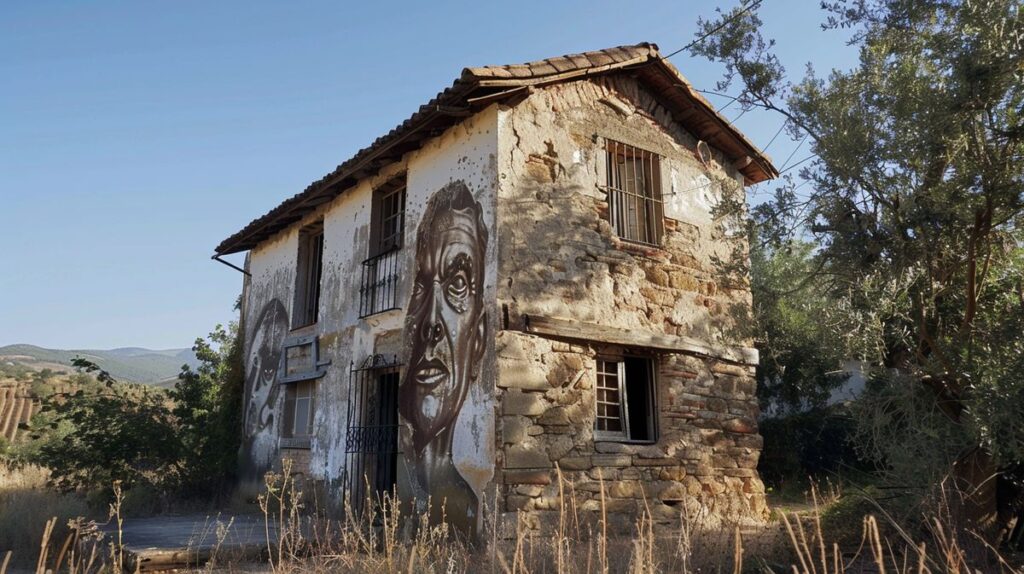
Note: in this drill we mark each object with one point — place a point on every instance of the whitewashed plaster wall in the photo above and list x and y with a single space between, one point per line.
465 152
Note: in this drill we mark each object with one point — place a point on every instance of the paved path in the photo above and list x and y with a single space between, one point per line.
163 542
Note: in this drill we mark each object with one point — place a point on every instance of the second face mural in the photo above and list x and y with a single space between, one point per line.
445 336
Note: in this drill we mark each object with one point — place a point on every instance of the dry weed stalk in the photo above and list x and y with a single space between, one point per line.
377 537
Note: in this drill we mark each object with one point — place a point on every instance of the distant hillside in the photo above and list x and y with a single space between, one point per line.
129 364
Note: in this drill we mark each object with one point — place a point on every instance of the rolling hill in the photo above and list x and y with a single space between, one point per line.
129 364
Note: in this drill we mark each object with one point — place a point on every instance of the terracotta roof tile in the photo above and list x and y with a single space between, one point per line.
562 64
520 70
600 58
618 54
579 60
543 69
450 106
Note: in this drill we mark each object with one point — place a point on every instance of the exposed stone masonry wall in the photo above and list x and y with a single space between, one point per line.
706 453
559 258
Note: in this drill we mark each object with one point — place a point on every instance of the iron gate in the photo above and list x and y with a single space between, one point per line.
371 443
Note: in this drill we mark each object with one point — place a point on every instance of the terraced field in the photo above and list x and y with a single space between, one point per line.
16 407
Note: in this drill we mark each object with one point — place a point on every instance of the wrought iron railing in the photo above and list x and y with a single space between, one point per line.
378 290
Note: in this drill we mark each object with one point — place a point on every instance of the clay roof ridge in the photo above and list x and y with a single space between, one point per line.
492 83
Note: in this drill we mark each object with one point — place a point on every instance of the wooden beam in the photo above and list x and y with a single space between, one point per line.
484 101
582 331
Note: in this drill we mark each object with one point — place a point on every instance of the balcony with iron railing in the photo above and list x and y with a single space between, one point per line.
381 277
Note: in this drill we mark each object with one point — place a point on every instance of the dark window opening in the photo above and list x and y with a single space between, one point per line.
388 218
640 403
371 441
378 289
625 400
308 274
634 193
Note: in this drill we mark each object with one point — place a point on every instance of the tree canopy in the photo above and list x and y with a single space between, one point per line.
914 209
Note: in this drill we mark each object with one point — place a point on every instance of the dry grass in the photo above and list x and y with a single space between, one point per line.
27 504
386 538
383 540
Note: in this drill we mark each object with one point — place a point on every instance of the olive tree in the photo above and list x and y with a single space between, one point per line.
914 204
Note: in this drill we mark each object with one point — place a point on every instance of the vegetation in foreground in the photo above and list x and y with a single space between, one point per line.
903 246
833 536
162 446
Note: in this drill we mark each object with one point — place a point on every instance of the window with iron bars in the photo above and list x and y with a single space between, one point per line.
634 193
625 400
378 291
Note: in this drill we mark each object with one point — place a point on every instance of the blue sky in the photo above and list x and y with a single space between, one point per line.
134 136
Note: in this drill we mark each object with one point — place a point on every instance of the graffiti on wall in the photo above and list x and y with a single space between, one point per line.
445 338
264 358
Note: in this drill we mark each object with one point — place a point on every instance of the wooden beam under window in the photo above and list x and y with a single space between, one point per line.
580 330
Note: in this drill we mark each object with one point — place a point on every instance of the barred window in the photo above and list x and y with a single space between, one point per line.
382 271
625 399
634 193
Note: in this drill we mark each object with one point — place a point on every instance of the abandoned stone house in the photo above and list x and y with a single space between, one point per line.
520 279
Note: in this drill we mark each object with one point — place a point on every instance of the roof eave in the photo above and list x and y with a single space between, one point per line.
476 89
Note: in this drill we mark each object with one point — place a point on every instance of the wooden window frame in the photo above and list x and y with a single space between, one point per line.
291 437
391 196
309 275
293 382
626 427
319 366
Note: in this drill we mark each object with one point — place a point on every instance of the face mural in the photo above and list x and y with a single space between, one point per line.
262 363
445 338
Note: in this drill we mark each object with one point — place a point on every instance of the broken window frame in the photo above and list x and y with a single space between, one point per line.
308 275
635 203
626 430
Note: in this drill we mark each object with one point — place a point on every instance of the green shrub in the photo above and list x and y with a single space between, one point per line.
813 443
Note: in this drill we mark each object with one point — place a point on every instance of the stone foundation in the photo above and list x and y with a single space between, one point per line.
705 456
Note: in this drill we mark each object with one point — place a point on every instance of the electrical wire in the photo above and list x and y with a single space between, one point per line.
728 21
771 141
792 153
813 155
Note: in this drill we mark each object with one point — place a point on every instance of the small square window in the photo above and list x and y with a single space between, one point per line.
625 400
